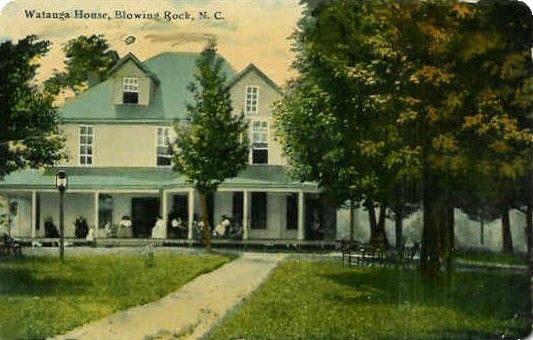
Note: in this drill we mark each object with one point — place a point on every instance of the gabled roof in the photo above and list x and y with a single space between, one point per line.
131 57
250 68
168 102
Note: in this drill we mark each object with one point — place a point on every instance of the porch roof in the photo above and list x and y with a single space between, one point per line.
98 178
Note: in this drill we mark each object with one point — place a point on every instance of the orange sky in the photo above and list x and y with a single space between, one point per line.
254 31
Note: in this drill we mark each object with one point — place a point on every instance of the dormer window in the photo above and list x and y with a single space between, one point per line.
130 90
251 99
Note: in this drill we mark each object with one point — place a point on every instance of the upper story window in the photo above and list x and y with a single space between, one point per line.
252 94
163 146
259 142
130 90
86 144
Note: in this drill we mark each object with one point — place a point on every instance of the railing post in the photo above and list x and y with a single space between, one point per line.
191 215
301 216
245 219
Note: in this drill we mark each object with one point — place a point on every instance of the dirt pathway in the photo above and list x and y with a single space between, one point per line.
189 312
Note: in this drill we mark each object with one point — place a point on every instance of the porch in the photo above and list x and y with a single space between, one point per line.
262 203
261 214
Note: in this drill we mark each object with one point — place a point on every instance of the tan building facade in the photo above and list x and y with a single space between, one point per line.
119 166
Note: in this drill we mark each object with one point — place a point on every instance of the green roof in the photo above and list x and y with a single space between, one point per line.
256 176
168 102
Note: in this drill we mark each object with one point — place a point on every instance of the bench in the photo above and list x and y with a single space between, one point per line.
9 246
355 253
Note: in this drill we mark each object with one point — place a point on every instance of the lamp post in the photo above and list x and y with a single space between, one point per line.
61 185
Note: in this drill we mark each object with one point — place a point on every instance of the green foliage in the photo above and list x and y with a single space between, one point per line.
404 92
214 145
4 216
47 298
393 92
29 133
88 61
315 300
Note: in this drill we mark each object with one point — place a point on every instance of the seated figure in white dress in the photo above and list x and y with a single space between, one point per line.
90 235
159 228
221 228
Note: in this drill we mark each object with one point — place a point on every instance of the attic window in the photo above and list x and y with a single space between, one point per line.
251 99
130 90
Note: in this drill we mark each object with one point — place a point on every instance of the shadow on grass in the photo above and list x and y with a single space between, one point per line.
24 277
497 295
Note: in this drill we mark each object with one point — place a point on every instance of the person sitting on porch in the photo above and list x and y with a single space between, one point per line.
235 231
159 229
198 227
220 229
107 229
90 235
179 228
125 227
50 229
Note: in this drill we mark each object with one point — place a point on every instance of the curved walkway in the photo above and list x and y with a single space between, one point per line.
189 312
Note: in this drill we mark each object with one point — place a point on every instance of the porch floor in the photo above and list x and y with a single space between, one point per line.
265 244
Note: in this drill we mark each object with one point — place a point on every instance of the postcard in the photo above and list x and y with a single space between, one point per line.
266 169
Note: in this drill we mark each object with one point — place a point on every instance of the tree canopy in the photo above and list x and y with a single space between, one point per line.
427 91
29 133
88 60
214 145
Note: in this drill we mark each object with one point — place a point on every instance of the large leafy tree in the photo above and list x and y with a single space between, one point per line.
214 146
29 134
394 91
88 60
507 90
326 123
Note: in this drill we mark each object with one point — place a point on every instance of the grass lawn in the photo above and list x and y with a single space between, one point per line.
46 298
315 300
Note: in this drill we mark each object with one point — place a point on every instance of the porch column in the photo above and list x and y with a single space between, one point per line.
96 212
190 201
33 214
245 219
301 216
163 209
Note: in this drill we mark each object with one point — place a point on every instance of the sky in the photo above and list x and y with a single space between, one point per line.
253 31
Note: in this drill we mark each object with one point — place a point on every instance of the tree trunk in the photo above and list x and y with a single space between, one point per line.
399 230
529 232
433 217
481 230
507 240
372 222
449 237
352 223
378 238
205 221
451 214
381 226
